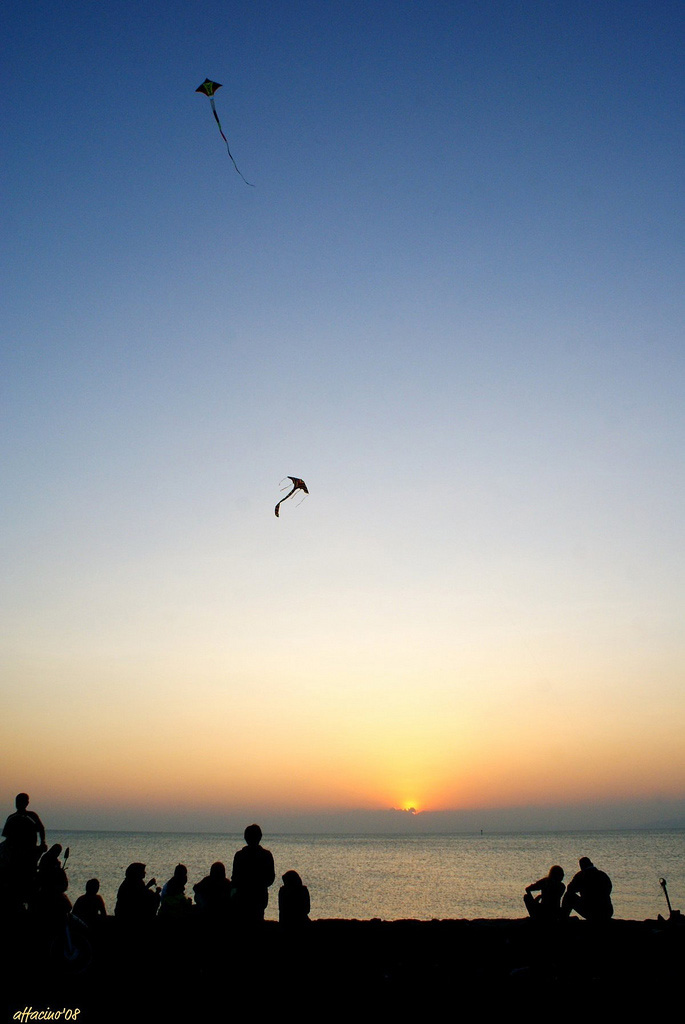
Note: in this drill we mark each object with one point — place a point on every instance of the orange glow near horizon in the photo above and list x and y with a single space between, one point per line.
172 770
431 740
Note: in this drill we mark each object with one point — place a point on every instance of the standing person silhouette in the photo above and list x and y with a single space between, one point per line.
24 842
253 873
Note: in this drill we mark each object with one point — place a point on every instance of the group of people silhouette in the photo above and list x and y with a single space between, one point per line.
242 899
588 894
34 877
31 874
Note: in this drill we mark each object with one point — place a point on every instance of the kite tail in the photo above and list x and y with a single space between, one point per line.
216 117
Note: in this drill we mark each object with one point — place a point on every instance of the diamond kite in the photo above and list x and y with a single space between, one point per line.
298 485
209 89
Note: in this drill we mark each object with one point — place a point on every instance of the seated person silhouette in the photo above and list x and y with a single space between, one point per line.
253 873
24 843
546 906
293 901
50 904
589 893
174 904
213 894
91 906
136 902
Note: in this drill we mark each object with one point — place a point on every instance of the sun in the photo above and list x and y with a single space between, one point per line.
410 806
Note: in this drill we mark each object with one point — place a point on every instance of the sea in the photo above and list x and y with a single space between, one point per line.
424 877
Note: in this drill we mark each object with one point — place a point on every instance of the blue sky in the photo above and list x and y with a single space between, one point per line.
452 303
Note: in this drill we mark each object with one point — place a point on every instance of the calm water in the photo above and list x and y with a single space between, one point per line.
394 877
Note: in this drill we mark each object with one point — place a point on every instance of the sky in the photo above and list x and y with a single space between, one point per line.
452 303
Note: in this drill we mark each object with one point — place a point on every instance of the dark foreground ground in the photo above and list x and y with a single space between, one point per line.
357 969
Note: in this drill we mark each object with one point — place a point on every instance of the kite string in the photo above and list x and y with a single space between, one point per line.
228 150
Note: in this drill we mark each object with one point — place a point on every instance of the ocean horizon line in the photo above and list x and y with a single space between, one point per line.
379 834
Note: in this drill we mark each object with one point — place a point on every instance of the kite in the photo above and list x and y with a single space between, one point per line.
298 485
209 89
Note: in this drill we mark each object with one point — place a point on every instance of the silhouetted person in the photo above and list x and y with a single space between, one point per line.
91 906
50 903
23 828
24 842
589 893
175 905
546 906
293 901
52 878
213 894
253 873
136 902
